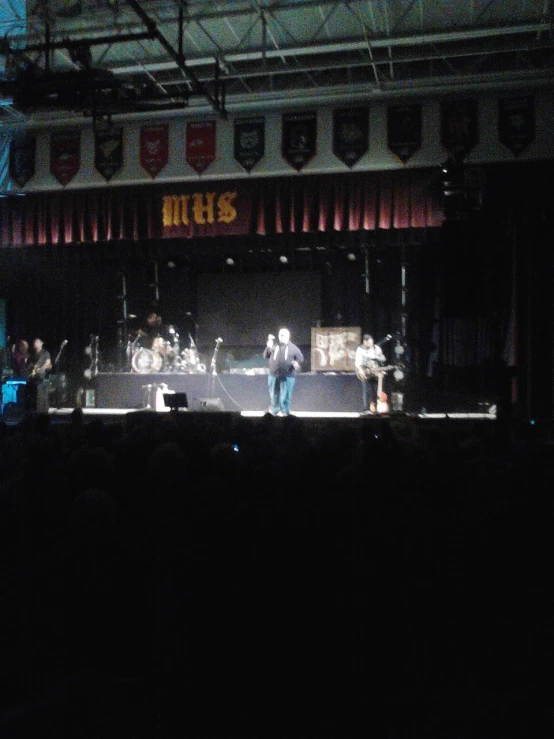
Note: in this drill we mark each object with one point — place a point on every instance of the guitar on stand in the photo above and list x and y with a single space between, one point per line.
382 398
379 372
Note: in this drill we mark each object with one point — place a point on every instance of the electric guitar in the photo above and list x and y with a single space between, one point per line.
40 368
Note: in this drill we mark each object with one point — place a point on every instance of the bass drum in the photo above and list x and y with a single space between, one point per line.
146 361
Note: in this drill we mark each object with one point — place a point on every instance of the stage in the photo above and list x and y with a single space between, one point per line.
313 392
316 396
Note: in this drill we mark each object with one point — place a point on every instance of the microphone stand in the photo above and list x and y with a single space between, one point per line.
57 379
59 354
213 367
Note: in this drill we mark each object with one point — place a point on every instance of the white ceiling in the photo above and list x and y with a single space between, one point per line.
132 57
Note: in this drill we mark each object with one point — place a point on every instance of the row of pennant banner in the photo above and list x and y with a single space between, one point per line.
299 139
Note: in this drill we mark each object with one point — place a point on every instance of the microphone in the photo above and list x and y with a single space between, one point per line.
64 342
271 337
219 341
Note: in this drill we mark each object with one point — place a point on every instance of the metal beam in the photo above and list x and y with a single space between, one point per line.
198 87
97 41
420 41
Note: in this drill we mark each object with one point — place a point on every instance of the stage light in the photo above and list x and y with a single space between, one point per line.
398 374
283 259
229 261
351 256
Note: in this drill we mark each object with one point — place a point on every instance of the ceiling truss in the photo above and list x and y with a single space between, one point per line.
139 57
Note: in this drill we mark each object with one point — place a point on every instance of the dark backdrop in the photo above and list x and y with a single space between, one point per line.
244 311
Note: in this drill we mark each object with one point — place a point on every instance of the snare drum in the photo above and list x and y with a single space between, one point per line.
146 361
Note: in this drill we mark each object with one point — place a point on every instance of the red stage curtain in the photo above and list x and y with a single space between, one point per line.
299 204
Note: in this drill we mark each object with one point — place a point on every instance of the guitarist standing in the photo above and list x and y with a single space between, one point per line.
39 368
369 357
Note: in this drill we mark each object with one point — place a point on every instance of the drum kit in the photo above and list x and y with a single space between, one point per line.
164 355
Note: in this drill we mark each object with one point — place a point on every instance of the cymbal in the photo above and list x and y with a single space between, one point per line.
131 315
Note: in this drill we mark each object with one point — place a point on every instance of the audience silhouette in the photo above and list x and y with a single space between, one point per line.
211 575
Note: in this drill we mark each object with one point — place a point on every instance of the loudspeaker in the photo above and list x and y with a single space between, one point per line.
206 404
43 397
175 400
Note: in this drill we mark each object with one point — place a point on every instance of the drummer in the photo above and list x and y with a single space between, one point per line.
151 330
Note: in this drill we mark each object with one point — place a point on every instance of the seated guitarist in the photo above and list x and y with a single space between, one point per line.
369 357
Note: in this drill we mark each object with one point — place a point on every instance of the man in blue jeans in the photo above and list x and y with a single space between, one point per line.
285 360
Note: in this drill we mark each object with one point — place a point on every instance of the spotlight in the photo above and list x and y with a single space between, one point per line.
453 182
398 374
230 262
283 259
351 256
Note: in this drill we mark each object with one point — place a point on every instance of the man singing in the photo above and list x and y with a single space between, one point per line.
285 360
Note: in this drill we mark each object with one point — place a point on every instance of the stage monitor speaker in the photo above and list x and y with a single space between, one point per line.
176 401
206 404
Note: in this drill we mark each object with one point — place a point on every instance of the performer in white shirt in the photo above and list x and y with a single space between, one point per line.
369 357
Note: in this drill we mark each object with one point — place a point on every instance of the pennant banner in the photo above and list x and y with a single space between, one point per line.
65 155
154 148
108 151
404 130
22 159
299 137
516 122
249 141
350 134
459 130
200 144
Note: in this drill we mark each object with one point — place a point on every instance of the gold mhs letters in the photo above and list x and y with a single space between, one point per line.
198 208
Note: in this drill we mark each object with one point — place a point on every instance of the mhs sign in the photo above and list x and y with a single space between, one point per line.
205 213
199 208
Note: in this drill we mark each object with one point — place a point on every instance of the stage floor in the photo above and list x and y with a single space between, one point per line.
118 412
316 394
